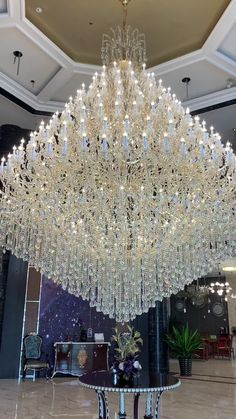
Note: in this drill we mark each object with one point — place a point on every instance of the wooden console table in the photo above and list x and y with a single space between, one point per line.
78 358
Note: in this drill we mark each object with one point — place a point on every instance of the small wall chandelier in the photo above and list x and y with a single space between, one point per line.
123 198
223 289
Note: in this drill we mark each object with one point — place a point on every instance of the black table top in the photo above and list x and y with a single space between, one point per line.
146 382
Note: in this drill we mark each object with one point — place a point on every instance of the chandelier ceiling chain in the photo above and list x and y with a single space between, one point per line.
123 198
125 4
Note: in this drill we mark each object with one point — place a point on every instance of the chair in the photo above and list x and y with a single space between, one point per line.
224 347
32 352
203 351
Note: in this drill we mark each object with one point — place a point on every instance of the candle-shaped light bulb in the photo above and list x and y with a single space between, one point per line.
85 145
49 146
65 146
166 142
183 147
126 122
105 122
125 141
104 143
145 141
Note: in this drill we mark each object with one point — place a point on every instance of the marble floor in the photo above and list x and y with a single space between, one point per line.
209 394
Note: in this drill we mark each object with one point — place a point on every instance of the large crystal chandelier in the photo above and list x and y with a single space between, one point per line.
123 198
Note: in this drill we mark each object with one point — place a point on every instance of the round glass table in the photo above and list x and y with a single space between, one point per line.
104 382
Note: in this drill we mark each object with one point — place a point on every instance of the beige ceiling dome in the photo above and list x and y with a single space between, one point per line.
172 28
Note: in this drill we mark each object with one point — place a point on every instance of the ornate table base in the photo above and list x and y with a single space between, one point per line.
151 384
103 406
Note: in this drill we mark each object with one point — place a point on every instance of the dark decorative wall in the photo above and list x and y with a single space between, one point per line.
62 314
207 317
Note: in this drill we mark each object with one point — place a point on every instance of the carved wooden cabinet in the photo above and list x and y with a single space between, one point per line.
77 358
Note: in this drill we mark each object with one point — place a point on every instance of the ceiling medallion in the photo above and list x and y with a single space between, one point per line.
123 198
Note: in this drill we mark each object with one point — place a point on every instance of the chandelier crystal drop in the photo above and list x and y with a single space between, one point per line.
123 198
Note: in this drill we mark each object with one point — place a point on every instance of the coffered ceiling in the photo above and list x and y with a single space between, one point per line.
61 49
172 28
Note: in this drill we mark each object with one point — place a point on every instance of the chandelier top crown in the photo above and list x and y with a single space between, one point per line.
124 43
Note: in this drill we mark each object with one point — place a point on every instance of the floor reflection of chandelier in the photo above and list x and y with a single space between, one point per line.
124 197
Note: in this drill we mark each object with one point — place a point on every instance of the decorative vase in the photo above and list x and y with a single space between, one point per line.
83 335
185 365
125 381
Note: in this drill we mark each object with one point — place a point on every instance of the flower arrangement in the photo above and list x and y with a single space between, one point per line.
127 349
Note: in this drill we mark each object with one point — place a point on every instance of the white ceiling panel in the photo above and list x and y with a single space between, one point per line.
34 65
228 46
70 88
3 6
205 79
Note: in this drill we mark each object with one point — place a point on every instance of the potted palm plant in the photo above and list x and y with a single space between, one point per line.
183 344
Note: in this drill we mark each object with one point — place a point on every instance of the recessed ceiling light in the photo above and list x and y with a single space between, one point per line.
229 268
39 9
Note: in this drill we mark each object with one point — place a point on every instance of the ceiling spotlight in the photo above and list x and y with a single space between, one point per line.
229 268
39 10
186 81
17 57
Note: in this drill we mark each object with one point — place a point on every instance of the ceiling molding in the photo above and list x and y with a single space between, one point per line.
15 9
22 104
52 106
61 77
221 29
27 97
41 102
179 62
211 99
222 62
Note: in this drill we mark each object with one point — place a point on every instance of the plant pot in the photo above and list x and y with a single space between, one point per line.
185 365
